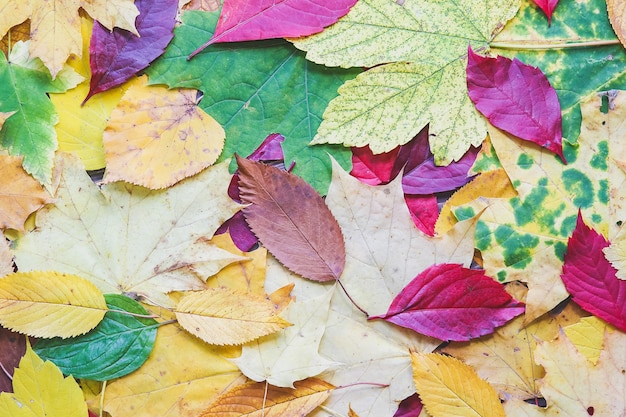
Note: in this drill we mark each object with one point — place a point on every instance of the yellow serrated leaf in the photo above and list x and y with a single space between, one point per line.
448 387
40 390
156 137
256 399
222 316
50 304
587 335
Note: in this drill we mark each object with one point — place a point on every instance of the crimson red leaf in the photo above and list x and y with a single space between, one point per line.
250 20
548 7
424 211
410 407
516 98
450 302
591 279
12 348
116 56
291 220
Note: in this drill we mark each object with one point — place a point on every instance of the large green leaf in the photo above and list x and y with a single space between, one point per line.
388 105
119 345
582 55
255 89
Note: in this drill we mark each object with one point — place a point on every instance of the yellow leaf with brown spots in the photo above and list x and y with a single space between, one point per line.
20 194
20 32
156 137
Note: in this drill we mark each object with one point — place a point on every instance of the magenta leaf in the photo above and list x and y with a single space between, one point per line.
516 98
250 20
548 7
591 279
450 302
424 211
410 407
114 57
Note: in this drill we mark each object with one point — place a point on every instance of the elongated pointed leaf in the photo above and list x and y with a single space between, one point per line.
292 221
117 55
591 279
119 345
548 7
450 302
516 98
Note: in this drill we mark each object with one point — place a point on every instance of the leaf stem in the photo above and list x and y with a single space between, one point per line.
5 371
563 44
350 298
128 313
376 384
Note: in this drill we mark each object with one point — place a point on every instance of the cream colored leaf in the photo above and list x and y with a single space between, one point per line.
182 376
127 239
40 390
255 399
50 304
448 387
221 316
617 10
587 336
6 257
155 136
113 13
616 254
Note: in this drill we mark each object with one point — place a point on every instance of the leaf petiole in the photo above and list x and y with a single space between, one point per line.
5 371
350 298
563 44
128 313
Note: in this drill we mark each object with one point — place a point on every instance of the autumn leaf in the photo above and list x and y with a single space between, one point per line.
449 302
424 73
49 304
291 220
127 239
258 399
254 90
12 348
615 9
55 28
448 387
255 20
516 98
212 316
547 6
155 137
115 56
117 346
40 390
410 407
588 336
20 194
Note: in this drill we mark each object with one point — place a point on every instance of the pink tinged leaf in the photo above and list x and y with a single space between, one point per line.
410 407
450 302
250 20
270 149
516 98
424 211
114 57
239 231
591 279
292 221
548 7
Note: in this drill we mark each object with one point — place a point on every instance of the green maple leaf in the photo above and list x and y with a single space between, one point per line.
424 46
255 89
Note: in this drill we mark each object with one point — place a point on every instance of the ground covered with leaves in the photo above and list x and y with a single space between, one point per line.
309 208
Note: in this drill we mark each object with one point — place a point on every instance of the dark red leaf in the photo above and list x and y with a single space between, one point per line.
450 302
291 220
114 57
410 407
12 348
591 279
516 98
424 211
548 7
270 149
250 20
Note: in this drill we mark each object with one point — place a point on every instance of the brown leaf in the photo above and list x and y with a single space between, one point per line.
12 348
292 221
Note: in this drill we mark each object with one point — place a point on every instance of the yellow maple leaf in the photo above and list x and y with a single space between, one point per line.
257 399
40 390
55 25
156 137
20 194
448 387
213 316
587 336
50 304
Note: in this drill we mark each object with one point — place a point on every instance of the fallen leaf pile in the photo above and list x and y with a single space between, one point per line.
360 208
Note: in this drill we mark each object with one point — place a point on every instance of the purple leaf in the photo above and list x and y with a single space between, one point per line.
410 407
516 98
114 57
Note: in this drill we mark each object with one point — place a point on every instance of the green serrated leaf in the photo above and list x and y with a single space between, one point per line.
119 345
254 90
386 106
30 131
576 73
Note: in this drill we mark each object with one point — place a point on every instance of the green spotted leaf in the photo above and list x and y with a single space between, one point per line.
256 89
424 44
524 238
577 72
119 345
